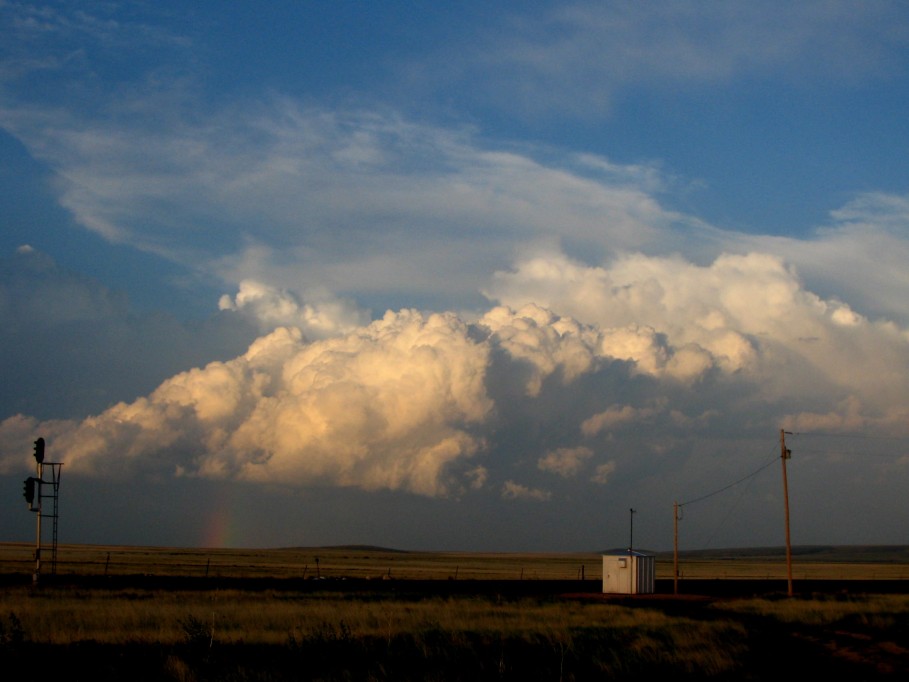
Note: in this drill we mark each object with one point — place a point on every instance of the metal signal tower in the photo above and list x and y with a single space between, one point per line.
35 494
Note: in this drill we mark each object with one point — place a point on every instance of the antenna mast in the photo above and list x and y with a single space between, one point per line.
675 548
631 531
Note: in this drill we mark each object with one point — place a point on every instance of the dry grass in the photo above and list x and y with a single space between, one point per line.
388 634
609 637
375 563
873 610
64 616
344 635
330 562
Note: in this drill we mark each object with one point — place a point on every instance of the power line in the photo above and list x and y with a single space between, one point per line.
730 510
731 485
785 454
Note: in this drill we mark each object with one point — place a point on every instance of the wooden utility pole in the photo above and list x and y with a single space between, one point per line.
675 548
784 455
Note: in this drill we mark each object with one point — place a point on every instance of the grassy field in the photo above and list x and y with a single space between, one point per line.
117 632
324 562
191 636
824 563
239 635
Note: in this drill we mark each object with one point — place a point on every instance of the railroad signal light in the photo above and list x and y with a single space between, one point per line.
29 490
39 450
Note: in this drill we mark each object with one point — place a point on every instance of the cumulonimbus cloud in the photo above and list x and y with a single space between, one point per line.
406 402
390 405
742 315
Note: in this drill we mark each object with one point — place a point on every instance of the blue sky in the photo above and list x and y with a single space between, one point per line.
456 276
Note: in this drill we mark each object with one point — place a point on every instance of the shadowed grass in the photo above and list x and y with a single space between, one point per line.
65 616
875 611
370 635
240 635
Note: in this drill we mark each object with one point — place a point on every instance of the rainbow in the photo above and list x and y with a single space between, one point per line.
220 528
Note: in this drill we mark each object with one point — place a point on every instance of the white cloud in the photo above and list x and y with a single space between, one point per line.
859 257
275 193
603 472
745 316
517 491
358 201
272 307
574 57
547 342
850 415
404 402
434 405
387 406
565 462
640 304
615 416
614 317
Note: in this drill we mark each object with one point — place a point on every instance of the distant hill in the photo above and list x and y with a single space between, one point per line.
820 553
352 548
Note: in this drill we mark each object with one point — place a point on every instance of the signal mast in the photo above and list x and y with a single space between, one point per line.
35 493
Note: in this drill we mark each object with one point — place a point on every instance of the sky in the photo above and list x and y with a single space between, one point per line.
456 276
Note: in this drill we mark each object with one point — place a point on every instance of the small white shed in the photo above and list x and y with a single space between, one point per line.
627 572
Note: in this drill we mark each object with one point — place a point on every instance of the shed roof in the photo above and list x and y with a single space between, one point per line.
625 552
